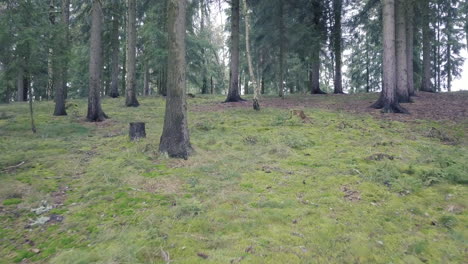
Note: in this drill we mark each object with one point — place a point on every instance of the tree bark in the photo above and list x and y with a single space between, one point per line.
410 46
338 81
31 112
95 112
60 64
233 93
20 85
124 57
175 139
146 83
389 100
449 27
212 87
249 57
426 78
437 50
67 46
137 130
319 28
204 89
114 91
281 49
315 72
50 58
131 98
401 60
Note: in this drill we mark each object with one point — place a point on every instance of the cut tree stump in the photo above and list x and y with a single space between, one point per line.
137 130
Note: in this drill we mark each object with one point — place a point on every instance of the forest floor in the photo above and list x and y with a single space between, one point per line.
342 184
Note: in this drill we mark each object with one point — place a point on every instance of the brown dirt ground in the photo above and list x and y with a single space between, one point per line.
426 106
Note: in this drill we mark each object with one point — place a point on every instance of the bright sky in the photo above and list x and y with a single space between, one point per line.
462 83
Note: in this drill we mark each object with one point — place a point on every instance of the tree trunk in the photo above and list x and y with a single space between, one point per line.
315 72
31 112
367 66
410 46
137 130
114 91
95 112
131 98
449 27
449 68
233 93
249 57
67 46
338 81
388 100
438 55
175 139
50 58
204 89
401 61
20 85
146 77
262 82
281 50
426 85
212 87
124 57
61 52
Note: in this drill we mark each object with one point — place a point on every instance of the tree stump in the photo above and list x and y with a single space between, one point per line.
256 105
137 130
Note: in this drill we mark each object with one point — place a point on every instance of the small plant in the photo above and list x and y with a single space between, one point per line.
12 201
448 221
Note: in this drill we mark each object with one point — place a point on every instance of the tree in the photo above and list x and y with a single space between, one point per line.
114 91
281 48
318 30
256 105
410 46
426 31
338 81
233 93
50 57
131 99
175 140
62 62
67 45
95 112
401 62
389 100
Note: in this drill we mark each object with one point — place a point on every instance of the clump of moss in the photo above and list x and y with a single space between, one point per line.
12 201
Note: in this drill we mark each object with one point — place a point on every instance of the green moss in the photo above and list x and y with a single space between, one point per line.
12 201
261 180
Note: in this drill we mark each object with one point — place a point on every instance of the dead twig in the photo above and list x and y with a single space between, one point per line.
14 166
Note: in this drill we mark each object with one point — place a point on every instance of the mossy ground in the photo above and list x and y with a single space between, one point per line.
262 187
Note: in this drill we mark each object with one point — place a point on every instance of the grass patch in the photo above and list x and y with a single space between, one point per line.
262 187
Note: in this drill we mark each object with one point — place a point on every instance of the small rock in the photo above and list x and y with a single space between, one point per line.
250 249
44 208
297 234
40 221
202 255
36 250
380 243
56 218
237 260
